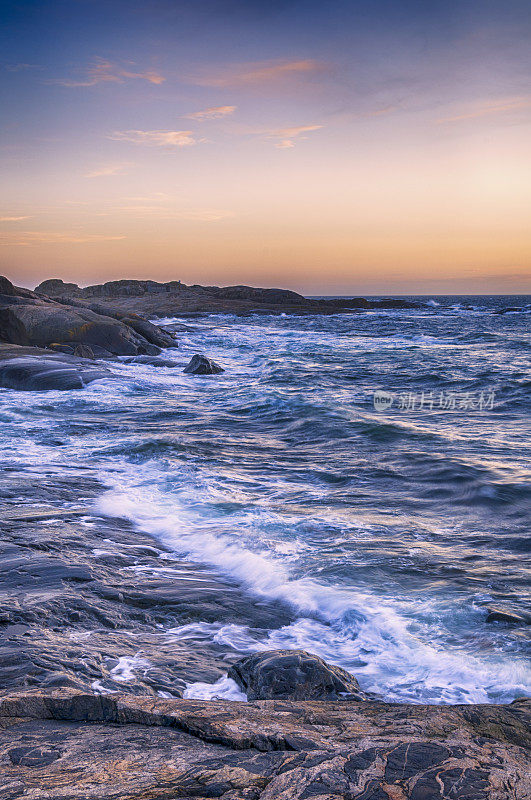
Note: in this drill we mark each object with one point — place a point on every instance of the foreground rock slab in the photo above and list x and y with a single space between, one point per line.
80 746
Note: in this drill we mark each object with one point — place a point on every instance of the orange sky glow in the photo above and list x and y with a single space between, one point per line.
328 168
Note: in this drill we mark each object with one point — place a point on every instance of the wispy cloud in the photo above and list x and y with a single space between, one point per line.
13 219
211 113
486 109
31 238
168 213
156 138
102 71
287 136
160 206
378 112
109 169
258 73
21 66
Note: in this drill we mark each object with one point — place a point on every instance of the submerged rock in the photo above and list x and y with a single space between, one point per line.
501 614
201 365
34 374
152 361
293 674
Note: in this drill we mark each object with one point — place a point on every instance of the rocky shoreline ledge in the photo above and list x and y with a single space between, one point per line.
68 744
48 337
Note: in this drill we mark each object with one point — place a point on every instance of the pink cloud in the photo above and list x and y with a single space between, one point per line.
217 112
156 138
106 72
258 73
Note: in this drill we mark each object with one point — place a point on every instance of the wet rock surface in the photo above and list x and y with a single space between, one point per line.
89 600
201 365
46 372
152 361
68 744
508 615
293 674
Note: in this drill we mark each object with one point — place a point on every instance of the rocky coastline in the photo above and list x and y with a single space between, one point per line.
67 729
48 336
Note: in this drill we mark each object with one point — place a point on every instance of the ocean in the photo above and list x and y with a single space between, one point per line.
355 485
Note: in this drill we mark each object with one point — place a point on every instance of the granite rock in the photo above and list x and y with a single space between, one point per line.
293 674
66 744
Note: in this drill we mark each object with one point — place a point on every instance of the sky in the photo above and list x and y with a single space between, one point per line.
340 147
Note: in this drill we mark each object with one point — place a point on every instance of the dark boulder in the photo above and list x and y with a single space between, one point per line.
130 288
39 374
201 365
503 614
295 675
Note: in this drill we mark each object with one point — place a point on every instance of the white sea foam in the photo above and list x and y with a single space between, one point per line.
378 639
127 667
223 689
99 688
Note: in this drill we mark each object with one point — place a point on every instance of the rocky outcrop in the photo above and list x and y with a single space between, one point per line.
295 675
201 365
175 298
85 747
27 319
55 287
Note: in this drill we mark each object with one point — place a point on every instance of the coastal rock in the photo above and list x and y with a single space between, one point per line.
84 351
502 614
68 744
151 332
37 374
201 365
293 674
42 324
28 319
176 298
77 349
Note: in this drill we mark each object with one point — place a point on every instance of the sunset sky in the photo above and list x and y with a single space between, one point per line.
376 147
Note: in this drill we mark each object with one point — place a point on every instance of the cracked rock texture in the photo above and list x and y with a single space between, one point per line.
73 745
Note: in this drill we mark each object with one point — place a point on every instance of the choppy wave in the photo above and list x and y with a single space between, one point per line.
395 648
384 536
